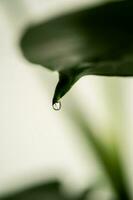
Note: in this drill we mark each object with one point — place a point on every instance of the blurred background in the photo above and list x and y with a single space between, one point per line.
38 143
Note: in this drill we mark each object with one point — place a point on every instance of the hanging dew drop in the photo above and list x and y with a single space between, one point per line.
57 106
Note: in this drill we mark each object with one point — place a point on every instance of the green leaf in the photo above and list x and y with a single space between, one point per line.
108 156
95 41
47 191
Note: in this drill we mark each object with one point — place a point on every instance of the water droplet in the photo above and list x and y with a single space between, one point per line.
57 106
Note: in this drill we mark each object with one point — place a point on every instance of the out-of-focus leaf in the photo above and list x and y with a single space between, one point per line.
109 158
47 191
93 41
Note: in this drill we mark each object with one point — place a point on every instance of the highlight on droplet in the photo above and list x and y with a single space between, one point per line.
57 106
